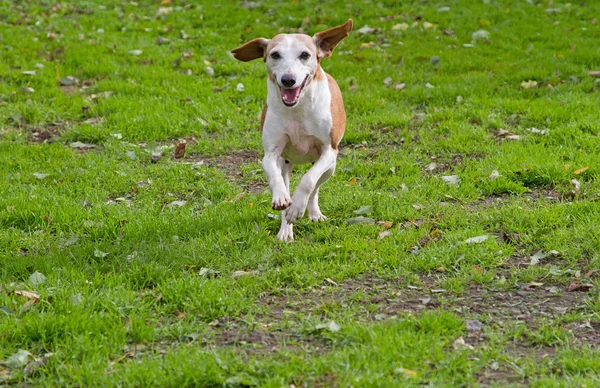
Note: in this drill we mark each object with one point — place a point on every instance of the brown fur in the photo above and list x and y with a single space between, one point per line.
263 115
251 50
328 39
338 114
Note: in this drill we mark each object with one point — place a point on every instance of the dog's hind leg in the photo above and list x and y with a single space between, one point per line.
286 232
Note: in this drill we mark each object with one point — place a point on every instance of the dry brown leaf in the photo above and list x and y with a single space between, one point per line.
27 294
180 149
585 287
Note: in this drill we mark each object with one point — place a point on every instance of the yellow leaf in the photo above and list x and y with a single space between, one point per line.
405 372
577 172
529 84
353 181
484 23
560 56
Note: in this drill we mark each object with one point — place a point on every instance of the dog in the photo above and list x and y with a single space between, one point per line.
303 120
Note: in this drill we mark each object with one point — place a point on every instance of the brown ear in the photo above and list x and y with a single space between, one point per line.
328 39
251 50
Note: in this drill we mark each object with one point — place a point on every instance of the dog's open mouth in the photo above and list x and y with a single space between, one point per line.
290 97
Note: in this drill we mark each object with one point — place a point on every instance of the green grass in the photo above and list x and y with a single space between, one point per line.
141 292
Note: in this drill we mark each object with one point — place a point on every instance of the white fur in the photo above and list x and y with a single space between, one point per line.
299 134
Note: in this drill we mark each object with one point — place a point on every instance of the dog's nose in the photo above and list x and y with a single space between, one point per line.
288 80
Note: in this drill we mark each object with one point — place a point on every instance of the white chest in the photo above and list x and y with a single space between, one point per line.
307 126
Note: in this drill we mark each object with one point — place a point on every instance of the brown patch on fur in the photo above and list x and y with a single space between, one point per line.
328 39
252 50
338 114
272 43
319 74
263 115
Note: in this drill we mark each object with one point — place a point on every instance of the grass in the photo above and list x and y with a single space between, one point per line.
139 291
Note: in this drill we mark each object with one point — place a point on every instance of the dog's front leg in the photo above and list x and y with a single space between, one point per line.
309 182
271 165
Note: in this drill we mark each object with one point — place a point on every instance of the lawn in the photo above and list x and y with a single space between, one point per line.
462 246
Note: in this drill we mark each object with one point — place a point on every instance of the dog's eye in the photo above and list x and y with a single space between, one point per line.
304 56
275 55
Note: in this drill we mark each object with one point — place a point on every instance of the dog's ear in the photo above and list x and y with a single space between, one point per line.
252 50
328 39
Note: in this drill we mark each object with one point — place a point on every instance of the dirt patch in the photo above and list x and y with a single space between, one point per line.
45 134
232 164
376 299
448 164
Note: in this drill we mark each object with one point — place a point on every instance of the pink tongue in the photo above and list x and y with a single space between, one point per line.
290 95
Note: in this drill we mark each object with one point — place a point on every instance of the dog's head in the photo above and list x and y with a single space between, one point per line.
293 59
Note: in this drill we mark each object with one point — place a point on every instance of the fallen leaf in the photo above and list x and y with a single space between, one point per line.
400 26
99 254
366 30
585 287
176 204
479 35
474 326
451 179
135 52
360 220
477 268
400 86
180 149
579 171
68 80
27 294
540 255
384 234
331 326
431 166
405 372
363 210
460 344
477 239
40 175
331 281
19 359
529 84
537 131
82 146
385 224
494 175
131 154
506 135
533 284
208 272
37 278
239 274
29 72
156 155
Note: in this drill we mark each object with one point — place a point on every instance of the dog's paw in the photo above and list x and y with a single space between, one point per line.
294 213
316 216
281 201
286 233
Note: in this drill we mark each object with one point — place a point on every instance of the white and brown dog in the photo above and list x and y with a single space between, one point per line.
303 119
